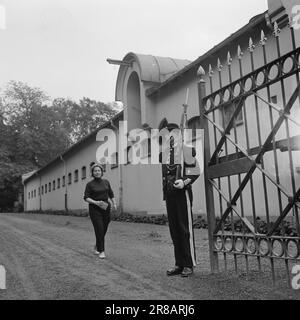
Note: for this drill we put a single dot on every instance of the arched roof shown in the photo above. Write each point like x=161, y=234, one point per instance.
x=151, y=68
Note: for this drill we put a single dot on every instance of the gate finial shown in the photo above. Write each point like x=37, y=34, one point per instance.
x=200, y=72
x=240, y=53
x=251, y=45
x=276, y=30
x=229, y=59
x=210, y=71
x=219, y=65
x=263, y=38
x=291, y=22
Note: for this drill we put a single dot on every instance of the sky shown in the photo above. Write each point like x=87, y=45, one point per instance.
x=61, y=46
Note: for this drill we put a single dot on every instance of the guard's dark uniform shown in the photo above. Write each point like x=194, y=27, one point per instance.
x=179, y=207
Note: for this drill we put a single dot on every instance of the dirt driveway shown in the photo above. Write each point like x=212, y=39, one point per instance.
x=50, y=257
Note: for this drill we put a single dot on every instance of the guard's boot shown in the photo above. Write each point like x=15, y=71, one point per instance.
x=186, y=272
x=175, y=271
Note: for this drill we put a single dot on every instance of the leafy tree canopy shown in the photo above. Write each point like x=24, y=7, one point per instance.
x=35, y=130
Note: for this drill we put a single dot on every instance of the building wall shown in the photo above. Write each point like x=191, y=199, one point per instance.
x=32, y=202
x=142, y=185
x=55, y=199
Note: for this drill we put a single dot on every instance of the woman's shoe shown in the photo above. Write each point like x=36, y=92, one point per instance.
x=96, y=252
x=102, y=255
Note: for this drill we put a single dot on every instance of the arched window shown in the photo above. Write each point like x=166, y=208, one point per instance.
x=91, y=164
x=70, y=178
x=194, y=124
x=46, y=190
x=63, y=181
x=76, y=176
x=42, y=189
x=53, y=185
x=146, y=148
x=28, y=195
x=103, y=164
x=129, y=155
x=58, y=183
x=114, y=160
x=49, y=188
x=83, y=173
x=134, y=101
x=34, y=193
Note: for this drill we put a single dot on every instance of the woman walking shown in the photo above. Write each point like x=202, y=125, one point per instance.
x=99, y=195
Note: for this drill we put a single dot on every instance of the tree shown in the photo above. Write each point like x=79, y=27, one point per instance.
x=22, y=135
x=81, y=119
x=19, y=98
x=32, y=132
x=37, y=135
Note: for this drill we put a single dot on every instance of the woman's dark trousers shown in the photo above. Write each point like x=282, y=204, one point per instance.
x=100, y=222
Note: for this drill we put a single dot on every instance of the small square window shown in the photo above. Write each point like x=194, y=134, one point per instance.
x=274, y=99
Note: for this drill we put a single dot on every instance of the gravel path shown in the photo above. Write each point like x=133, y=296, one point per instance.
x=50, y=257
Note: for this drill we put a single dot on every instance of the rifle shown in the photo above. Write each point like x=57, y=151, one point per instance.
x=183, y=126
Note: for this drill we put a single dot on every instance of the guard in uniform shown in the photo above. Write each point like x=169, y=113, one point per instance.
x=177, y=191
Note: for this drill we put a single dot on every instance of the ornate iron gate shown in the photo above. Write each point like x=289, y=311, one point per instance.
x=240, y=176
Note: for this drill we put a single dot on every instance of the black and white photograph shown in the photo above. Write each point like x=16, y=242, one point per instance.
x=149, y=153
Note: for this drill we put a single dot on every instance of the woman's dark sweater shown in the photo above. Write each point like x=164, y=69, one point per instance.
x=98, y=189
